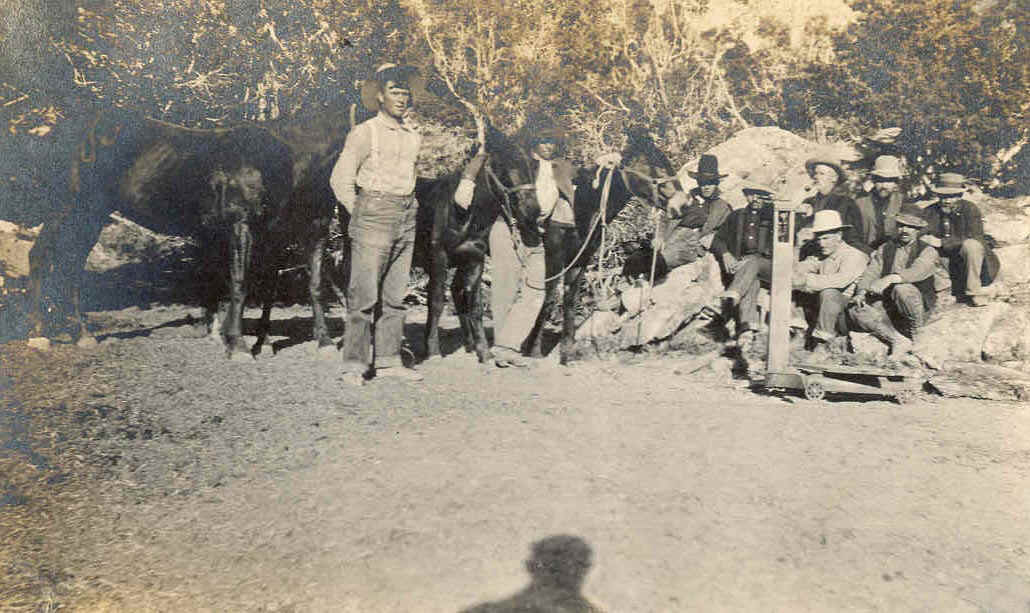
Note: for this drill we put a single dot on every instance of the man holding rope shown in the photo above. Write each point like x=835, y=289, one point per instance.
x=516, y=305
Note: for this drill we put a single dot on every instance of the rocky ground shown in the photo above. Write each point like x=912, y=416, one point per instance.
x=151, y=474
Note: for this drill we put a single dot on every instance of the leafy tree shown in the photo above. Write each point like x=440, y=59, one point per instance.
x=956, y=80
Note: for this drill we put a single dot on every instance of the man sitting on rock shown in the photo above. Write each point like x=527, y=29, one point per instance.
x=880, y=206
x=743, y=246
x=897, y=285
x=824, y=282
x=957, y=225
x=687, y=235
x=831, y=195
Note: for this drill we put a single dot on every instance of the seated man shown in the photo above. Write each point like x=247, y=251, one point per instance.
x=824, y=282
x=685, y=235
x=881, y=205
x=831, y=195
x=958, y=227
x=897, y=284
x=743, y=246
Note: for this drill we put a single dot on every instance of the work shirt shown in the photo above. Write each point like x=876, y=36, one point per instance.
x=922, y=268
x=379, y=155
x=749, y=241
x=839, y=270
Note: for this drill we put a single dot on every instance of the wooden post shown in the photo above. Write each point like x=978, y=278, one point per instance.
x=777, y=371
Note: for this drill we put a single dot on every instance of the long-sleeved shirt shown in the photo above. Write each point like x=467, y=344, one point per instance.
x=378, y=155
x=839, y=270
x=922, y=268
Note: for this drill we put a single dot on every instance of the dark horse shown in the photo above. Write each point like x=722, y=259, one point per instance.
x=248, y=193
x=645, y=173
x=228, y=187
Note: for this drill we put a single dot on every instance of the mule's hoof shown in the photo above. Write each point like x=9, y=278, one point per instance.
x=41, y=343
x=240, y=356
x=87, y=342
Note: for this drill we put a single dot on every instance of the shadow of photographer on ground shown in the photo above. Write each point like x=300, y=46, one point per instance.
x=557, y=566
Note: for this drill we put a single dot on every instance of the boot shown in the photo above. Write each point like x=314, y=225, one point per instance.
x=887, y=333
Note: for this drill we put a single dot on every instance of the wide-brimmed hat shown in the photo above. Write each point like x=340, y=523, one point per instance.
x=707, y=169
x=886, y=167
x=391, y=72
x=949, y=183
x=754, y=187
x=827, y=221
x=811, y=163
x=910, y=215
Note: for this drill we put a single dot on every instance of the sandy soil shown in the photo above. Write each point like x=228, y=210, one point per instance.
x=151, y=474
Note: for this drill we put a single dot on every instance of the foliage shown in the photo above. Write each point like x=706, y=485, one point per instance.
x=956, y=80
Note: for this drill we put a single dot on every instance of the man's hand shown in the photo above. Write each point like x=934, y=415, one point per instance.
x=931, y=240
x=609, y=160
x=880, y=285
x=706, y=241
x=800, y=280
x=859, y=299
x=730, y=263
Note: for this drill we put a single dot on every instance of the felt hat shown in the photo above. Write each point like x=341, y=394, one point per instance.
x=886, y=167
x=754, y=187
x=911, y=216
x=949, y=183
x=811, y=163
x=827, y=221
x=404, y=74
x=707, y=169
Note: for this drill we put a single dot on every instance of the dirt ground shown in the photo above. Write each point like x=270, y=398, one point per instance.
x=152, y=474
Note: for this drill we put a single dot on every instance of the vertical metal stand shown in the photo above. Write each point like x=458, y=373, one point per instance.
x=777, y=371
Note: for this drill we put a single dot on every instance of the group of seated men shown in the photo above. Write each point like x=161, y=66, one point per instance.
x=873, y=265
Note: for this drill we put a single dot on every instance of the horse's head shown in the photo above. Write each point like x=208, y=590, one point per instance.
x=650, y=175
x=509, y=175
x=238, y=191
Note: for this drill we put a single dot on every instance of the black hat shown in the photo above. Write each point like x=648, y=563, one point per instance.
x=707, y=169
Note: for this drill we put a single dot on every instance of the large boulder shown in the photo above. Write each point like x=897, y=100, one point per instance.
x=1009, y=338
x=768, y=155
x=1007, y=220
x=674, y=301
x=958, y=333
x=1015, y=264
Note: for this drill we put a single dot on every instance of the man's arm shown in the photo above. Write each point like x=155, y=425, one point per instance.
x=922, y=268
x=852, y=265
x=872, y=271
x=355, y=150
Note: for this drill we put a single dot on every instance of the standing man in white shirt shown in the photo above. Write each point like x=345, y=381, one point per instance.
x=374, y=179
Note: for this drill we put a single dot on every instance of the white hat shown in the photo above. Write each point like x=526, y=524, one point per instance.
x=887, y=166
x=827, y=221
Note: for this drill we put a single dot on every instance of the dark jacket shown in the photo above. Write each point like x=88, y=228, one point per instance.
x=925, y=286
x=963, y=222
x=732, y=234
x=837, y=200
x=878, y=223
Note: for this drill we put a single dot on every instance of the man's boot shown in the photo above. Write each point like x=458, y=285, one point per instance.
x=886, y=332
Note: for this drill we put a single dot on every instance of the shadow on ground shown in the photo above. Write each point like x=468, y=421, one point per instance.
x=557, y=566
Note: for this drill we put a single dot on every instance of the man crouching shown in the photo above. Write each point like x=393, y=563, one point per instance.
x=825, y=281
x=897, y=285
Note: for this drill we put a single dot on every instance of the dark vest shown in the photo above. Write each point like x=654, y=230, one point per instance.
x=926, y=288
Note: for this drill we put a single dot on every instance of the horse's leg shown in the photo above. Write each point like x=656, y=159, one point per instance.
x=267, y=289
x=42, y=256
x=460, y=296
x=320, y=331
x=473, y=281
x=568, y=333
x=437, y=278
x=554, y=258
x=242, y=243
